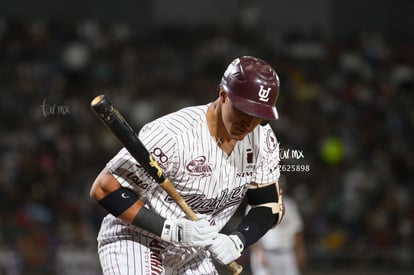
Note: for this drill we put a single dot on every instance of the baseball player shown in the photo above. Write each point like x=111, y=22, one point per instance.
x=215, y=155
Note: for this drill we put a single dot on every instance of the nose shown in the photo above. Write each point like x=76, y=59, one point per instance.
x=250, y=121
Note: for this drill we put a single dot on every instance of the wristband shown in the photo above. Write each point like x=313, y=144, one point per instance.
x=238, y=241
x=148, y=220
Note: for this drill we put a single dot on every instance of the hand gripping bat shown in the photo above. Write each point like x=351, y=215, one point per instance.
x=115, y=122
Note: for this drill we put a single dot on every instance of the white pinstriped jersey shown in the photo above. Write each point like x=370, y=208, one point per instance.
x=212, y=182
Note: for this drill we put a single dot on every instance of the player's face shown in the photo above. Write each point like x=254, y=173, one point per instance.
x=237, y=123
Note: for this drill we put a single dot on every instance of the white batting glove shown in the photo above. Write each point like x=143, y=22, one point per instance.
x=226, y=248
x=185, y=232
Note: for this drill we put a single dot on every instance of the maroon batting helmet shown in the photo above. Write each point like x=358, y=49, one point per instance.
x=252, y=86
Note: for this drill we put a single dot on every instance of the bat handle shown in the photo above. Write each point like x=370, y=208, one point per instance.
x=233, y=267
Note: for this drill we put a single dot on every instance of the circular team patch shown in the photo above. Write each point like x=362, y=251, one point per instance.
x=271, y=141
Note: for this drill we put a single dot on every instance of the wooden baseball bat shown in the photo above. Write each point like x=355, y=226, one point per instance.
x=116, y=123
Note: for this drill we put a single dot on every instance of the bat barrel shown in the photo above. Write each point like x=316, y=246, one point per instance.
x=115, y=122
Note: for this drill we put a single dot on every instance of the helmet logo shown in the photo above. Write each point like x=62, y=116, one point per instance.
x=264, y=93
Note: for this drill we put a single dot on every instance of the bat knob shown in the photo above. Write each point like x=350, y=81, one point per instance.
x=98, y=101
x=103, y=107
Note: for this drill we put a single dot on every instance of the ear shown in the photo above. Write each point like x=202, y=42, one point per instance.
x=222, y=94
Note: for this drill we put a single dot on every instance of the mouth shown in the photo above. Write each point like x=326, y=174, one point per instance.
x=240, y=132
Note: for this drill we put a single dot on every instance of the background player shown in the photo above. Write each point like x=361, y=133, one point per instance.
x=215, y=155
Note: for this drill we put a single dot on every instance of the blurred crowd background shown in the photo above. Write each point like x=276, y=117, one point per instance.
x=346, y=104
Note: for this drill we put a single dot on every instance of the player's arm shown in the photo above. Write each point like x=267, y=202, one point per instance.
x=125, y=204
x=266, y=212
x=121, y=202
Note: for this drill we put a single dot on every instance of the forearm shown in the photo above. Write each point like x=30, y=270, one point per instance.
x=124, y=204
x=266, y=211
x=255, y=224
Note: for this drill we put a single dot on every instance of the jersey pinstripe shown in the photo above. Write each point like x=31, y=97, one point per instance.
x=212, y=182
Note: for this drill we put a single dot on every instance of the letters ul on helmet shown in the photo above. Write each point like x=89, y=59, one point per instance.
x=253, y=87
